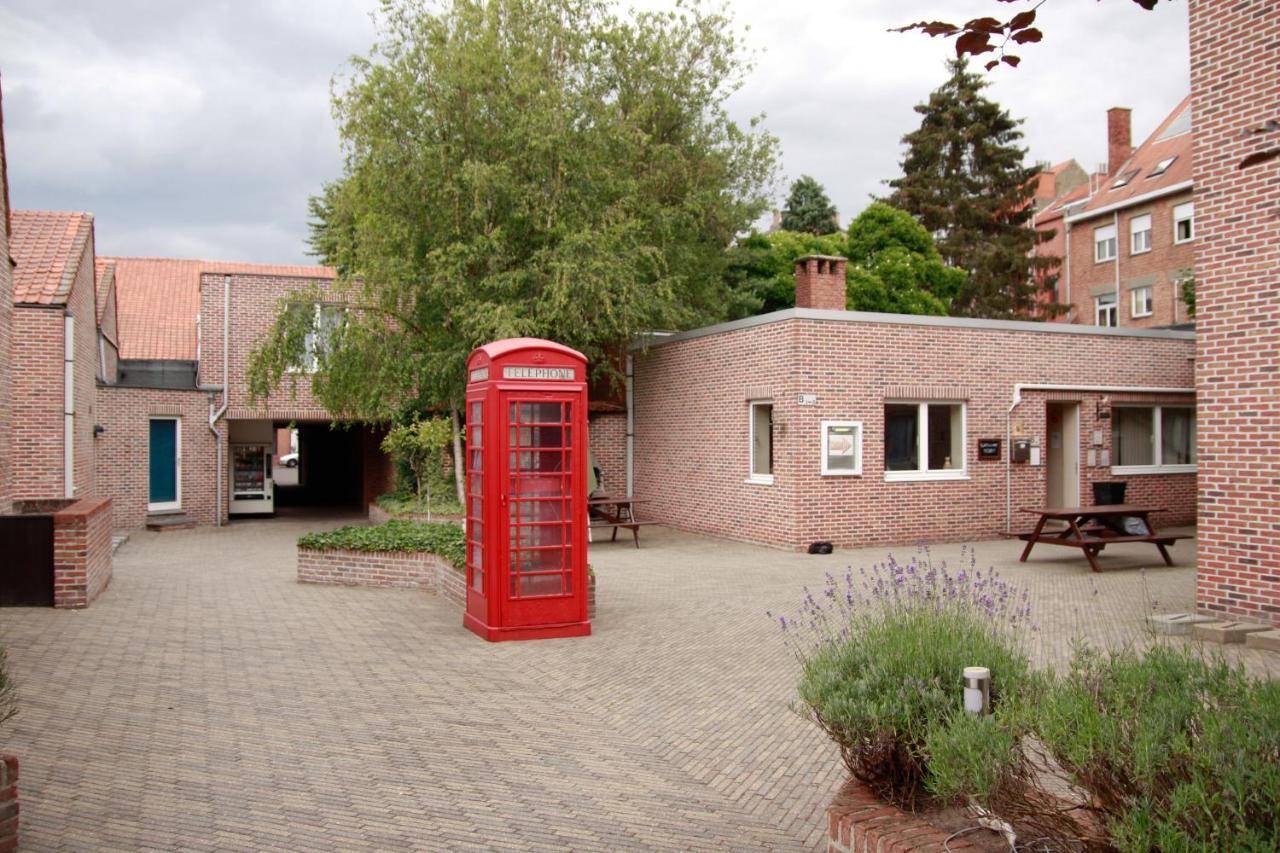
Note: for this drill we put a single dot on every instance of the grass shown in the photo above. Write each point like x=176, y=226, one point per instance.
x=443, y=538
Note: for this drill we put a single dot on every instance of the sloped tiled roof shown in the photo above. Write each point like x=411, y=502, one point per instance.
x=158, y=300
x=1172, y=139
x=1055, y=210
x=47, y=247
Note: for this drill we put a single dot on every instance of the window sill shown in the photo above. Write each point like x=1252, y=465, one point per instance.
x=1139, y=252
x=1134, y=470
x=1104, y=260
x=760, y=480
x=857, y=473
x=1140, y=316
x=924, y=476
x=1177, y=242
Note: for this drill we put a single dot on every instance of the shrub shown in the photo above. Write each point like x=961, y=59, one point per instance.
x=883, y=654
x=440, y=502
x=447, y=540
x=1177, y=752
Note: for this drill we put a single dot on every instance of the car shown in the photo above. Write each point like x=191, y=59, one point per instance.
x=289, y=460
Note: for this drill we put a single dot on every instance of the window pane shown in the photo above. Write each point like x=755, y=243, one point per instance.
x=901, y=437
x=533, y=413
x=761, y=438
x=945, y=439
x=541, y=585
x=1177, y=436
x=842, y=448
x=475, y=413
x=1132, y=436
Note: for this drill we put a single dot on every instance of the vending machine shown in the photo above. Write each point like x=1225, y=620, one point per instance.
x=252, y=490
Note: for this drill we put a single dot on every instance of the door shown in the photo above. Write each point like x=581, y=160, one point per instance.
x=26, y=572
x=539, y=472
x=1063, y=457
x=164, y=482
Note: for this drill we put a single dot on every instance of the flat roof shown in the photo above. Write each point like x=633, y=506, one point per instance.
x=658, y=339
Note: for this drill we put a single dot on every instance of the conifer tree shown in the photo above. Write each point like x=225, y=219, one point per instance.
x=808, y=209
x=965, y=181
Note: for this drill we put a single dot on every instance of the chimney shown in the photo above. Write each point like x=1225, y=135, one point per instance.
x=820, y=282
x=1119, y=139
x=776, y=224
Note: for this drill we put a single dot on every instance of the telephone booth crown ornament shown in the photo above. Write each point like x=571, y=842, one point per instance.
x=526, y=478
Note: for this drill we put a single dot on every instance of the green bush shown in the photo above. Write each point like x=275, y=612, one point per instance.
x=441, y=503
x=883, y=658
x=1177, y=752
x=447, y=540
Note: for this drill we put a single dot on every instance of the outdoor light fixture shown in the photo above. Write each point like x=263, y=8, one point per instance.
x=977, y=690
x=98, y=429
x=1104, y=408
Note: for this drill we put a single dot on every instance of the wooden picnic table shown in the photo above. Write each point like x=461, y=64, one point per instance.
x=1093, y=528
x=605, y=511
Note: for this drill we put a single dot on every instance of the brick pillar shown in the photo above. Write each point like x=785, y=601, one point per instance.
x=1235, y=74
x=820, y=282
x=1119, y=138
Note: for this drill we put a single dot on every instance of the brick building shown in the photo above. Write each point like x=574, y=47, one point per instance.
x=1126, y=237
x=816, y=424
x=55, y=355
x=1235, y=78
x=6, y=334
x=177, y=418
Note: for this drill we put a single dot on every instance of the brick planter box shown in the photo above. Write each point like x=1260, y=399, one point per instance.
x=857, y=821
x=403, y=569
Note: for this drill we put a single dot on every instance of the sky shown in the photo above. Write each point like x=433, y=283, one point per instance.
x=199, y=130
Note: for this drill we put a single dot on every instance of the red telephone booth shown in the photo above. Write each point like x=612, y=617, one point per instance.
x=526, y=491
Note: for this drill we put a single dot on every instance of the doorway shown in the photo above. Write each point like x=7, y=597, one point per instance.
x=164, y=485
x=1063, y=457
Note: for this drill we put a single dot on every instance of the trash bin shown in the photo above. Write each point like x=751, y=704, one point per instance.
x=1108, y=493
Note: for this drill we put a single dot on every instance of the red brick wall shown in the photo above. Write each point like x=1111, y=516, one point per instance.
x=123, y=450
x=81, y=552
x=37, y=404
x=83, y=306
x=608, y=442
x=378, y=471
x=1235, y=75
x=692, y=439
x=1166, y=261
x=858, y=821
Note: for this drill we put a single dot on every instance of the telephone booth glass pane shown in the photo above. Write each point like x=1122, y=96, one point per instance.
x=539, y=463
x=475, y=501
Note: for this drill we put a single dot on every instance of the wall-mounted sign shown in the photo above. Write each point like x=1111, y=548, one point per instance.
x=480, y=374
x=808, y=399
x=562, y=373
x=988, y=448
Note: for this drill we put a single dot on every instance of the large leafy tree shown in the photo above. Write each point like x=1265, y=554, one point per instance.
x=523, y=167
x=965, y=180
x=808, y=209
x=760, y=269
x=894, y=266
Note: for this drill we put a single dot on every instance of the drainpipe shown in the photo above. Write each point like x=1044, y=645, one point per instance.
x=68, y=405
x=1116, y=224
x=1031, y=386
x=631, y=424
x=214, y=416
x=1071, y=308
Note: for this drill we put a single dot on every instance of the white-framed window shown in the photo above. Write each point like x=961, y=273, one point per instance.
x=924, y=441
x=1184, y=225
x=1140, y=297
x=1140, y=234
x=841, y=448
x=327, y=319
x=761, y=440
x=1162, y=167
x=1105, y=310
x=1104, y=243
x=1153, y=439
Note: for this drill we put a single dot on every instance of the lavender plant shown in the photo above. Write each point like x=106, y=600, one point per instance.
x=882, y=650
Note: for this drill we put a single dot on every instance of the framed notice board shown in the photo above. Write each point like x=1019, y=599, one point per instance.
x=988, y=448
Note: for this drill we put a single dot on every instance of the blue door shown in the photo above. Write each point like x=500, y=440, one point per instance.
x=163, y=477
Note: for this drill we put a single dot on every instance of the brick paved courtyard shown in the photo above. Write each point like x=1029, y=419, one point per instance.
x=207, y=701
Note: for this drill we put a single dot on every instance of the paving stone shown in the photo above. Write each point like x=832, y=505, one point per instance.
x=1225, y=632
x=1176, y=624
x=208, y=698
x=1266, y=640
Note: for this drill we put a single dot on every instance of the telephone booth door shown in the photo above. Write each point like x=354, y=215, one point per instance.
x=526, y=491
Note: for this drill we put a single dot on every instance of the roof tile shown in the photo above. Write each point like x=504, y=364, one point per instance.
x=46, y=247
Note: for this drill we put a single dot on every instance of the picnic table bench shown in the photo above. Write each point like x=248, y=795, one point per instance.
x=609, y=512
x=1093, y=528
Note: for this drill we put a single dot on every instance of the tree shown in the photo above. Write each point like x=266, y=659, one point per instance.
x=964, y=180
x=991, y=35
x=760, y=269
x=419, y=445
x=523, y=167
x=894, y=266
x=808, y=209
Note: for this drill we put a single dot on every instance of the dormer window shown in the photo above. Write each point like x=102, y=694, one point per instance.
x=1162, y=167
